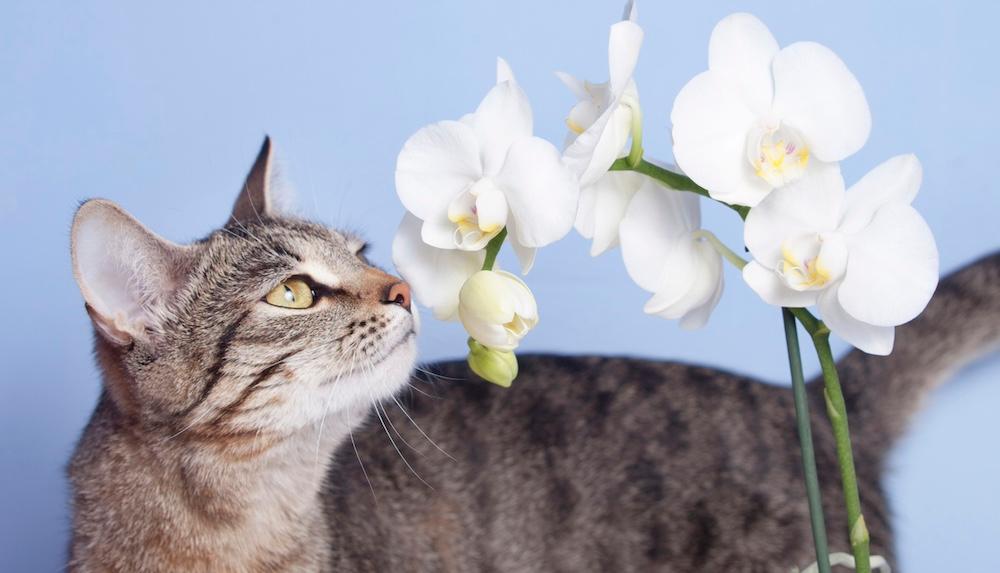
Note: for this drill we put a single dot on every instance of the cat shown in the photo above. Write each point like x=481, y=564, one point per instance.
x=258, y=413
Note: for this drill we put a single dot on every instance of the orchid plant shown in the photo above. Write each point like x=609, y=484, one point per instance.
x=762, y=131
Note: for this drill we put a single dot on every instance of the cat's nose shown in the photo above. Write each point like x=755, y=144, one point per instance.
x=398, y=293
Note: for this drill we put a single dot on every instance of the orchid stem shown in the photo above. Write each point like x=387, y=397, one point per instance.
x=720, y=247
x=806, y=442
x=635, y=153
x=493, y=249
x=836, y=410
x=670, y=179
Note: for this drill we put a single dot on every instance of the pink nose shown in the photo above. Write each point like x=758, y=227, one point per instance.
x=399, y=293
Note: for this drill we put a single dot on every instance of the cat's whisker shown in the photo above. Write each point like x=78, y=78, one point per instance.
x=326, y=410
x=438, y=376
x=393, y=442
x=391, y=425
x=412, y=387
x=350, y=432
x=193, y=423
x=419, y=429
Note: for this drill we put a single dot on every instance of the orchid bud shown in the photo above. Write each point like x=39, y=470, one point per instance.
x=496, y=366
x=497, y=309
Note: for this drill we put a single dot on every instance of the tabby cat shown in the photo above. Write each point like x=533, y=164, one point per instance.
x=256, y=416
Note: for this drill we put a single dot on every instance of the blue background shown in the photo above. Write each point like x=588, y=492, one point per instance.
x=162, y=109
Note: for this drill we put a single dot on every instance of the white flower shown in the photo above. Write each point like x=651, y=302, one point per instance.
x=865, y=256
x=607, y=113
x=497, y=309
x=468, y=179
x=602, y=207
x=761, y=117
x=436, y=275
x=665, y=254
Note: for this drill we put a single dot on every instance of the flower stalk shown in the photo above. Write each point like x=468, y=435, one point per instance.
x=806, y=442
x=493, y=249
x=837, y=413
x=635, y=152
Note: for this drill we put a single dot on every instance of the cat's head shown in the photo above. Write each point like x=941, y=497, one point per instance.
x=266, y=324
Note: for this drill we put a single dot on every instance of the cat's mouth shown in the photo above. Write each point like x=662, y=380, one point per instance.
x=405, y=338
x=377, y=361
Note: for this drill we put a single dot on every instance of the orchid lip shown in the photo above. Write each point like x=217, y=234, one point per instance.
x=777, y=153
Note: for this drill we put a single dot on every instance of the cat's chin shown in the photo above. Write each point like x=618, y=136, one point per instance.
x=362, y=387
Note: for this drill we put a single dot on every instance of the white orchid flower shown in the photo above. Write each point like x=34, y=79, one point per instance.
x=762, y=117
x=864, y=256
x=468, y=179
x=666, y=253
x=601, y=122
x=603, y=205
x=497, y=309
x=436, y=275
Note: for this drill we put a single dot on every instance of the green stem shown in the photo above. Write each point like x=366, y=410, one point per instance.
x=837, y=412
x=493, y=249
x=635, y=153
x=670, y=179
x=721, y=248
x=806, y=442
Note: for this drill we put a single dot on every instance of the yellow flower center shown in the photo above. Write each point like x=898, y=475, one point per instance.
x=812, y=261
x=479, y=214
x=777, y=153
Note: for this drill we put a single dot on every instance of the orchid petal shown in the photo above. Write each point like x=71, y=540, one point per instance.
x=623, y=54
x=593, y=151
x=866, y=337
x=541, y=191
x=770, y=287
x=740, y=53
x=504, y=73
x=491, y=210
x=586, y=211
x=691, y=282
x=896, y=180
x=605, y=206
x=503, y=117
x=436, y=164
x=576, y=87
x=815, y=93
x=893, y=268
x=710, y=126
x=525, y=255
x=439, y=233
x=436, y=275
x=809, y=205
x=698, y=316
x=656, y=221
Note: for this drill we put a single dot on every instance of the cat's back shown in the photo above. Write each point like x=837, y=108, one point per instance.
x=586, y=464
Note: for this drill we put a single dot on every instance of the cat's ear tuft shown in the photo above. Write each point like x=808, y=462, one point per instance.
x=125, y=272
x=254, y=201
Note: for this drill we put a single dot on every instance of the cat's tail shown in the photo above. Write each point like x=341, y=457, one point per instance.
x=961, y=323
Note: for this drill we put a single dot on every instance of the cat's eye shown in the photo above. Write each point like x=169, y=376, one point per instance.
x=291, y=293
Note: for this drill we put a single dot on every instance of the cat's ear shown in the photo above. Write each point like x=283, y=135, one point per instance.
x=255, y=200
x=125, y=272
